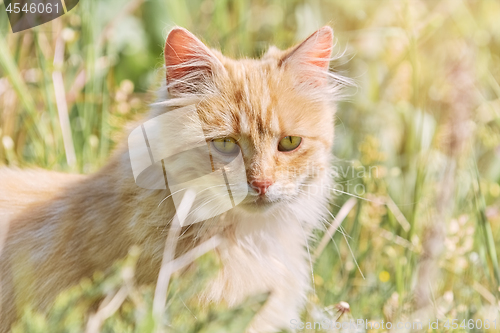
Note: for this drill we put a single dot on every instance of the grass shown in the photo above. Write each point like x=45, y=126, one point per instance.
x=417, y=140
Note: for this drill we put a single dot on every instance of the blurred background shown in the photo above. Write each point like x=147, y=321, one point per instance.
x=417, y=140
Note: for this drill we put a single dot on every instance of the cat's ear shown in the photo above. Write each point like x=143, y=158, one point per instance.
x=313, y=53
x=190, y=64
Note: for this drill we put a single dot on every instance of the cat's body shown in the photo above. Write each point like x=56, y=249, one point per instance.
x=61, y=228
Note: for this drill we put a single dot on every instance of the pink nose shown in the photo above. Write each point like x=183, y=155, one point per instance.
x=261, y=185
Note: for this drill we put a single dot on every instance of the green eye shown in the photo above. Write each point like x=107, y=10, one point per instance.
x=226, y=145
x=289, y=143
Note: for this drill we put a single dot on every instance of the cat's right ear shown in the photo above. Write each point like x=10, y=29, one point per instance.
x=190, y=64
x=311, y=57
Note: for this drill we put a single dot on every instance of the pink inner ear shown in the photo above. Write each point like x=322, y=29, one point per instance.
x=315, y=50
x=320, y=47
x=320, y=56
x=182, y=49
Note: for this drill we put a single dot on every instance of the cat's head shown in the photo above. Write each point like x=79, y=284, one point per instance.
x=276, y=110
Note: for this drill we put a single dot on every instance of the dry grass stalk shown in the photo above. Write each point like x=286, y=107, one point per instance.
x=160, y=296
x=342, y=214
x=62, y=105
x=106, y=310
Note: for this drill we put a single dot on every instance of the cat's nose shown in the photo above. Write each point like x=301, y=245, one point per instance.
x=261, y=185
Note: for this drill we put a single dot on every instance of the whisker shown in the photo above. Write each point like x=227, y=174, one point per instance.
x=204, y=224
x=309, y=256
x=203, y=205
x=305, y=192
x=197, y=193
x=342, y=214
x=334, y=242
x=182, y=234
x=350, y=250
x=168, y=196
x=344, y=232
x=353, y=257
x=353, y=195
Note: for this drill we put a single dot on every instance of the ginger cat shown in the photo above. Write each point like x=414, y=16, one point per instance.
x=278, y=111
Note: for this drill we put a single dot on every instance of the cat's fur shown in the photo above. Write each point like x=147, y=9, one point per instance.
x=61, y=228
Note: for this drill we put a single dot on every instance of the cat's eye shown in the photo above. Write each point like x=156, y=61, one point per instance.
x=289, y=143
x=225, y=145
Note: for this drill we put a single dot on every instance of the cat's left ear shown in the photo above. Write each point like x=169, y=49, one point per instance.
x=190, y=64
x=313, y=53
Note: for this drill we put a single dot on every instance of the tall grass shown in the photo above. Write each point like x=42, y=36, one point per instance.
x=419, y=138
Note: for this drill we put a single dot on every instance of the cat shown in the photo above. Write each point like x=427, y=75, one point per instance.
x=278, y=111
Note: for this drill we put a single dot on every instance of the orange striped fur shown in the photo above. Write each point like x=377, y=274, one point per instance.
x=61, y=228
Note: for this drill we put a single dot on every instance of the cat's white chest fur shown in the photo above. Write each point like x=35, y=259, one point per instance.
x=269, y=253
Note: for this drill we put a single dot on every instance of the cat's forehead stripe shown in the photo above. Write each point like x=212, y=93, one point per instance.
x=252, y=96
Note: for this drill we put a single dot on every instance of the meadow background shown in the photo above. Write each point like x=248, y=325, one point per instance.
x=418, y=140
